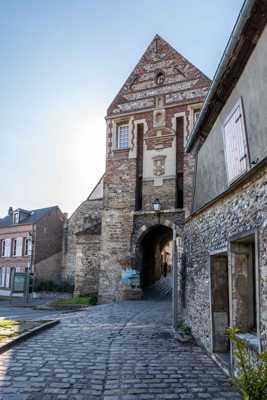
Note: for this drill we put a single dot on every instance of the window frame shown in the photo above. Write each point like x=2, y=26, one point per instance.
x=246, y=238
x=14, y=246
x=119, y=126
x=239, y=104
x=27, y=246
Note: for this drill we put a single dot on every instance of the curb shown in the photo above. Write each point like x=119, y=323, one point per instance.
x=62, y=308
x=26, y=335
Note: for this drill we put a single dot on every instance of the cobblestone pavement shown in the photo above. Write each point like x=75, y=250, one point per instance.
x=122, y=351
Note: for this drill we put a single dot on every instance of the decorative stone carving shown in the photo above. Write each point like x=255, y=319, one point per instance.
x=159, y=77
x=159, y=101
x=159, y=165
x=159, y=138
x=159, y=118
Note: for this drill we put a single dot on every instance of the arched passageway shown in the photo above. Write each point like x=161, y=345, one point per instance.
x=155, y=256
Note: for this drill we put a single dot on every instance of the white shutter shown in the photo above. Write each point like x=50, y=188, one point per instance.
x=235, y=144
x=8, y=277
x=29, y=247
x=19, y=246
x=2, y=277
x=7, y=247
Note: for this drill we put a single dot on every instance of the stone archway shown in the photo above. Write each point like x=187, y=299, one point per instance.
x=154, y=256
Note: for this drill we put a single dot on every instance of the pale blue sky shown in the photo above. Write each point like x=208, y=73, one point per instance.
x=62, y=63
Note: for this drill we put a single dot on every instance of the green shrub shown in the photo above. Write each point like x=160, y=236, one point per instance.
x=76, y=300
x=252, y=379
x=51, y=286
x=184, y=329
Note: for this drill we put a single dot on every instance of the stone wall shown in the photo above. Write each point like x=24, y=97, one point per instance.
x=240, y=212
x=88, y=213
x=166, y=193
x=87, y=263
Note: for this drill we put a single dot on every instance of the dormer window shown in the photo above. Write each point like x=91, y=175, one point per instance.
x=16, y=218
x=123, y=136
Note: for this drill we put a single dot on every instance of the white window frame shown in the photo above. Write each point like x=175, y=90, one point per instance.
x=244, y=139
x=27, y=251
x=120, y=126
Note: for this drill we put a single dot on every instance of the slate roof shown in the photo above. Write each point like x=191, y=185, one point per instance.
x=34, y=216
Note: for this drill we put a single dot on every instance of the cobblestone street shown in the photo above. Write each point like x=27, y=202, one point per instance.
x=119, y=351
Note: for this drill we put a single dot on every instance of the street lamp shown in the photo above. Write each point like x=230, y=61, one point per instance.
x=156, y=205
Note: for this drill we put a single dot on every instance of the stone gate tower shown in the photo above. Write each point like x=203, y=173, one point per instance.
x=147, y=125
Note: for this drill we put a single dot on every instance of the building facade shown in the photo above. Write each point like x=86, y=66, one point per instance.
x=146, y=166
x=226, y=233
x=31, y=239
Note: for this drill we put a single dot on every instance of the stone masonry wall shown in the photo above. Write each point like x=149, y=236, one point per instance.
x=88, y=212
x=166, y=193
x=87, y=264
x=117, y=225
x=244, y=210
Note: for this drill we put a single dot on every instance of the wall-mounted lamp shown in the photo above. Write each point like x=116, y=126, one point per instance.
x=156, y=205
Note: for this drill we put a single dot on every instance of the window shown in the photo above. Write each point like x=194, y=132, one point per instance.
x=123, y=132
x=14, y=247
x=236, y=153
x=3, y=248
x=16, y=218
x=244, y=283
x=6, y=248
x=27, y=247
x=5, y=277
x=17, y=247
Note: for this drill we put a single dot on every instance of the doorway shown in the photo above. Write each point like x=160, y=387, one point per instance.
x=220, y=305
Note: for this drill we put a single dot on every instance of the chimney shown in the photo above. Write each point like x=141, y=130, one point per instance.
x=10, y=211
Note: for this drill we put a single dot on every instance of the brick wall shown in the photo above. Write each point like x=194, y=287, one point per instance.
x=47, y=246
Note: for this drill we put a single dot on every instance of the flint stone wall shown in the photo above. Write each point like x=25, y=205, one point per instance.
x=244, y=210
